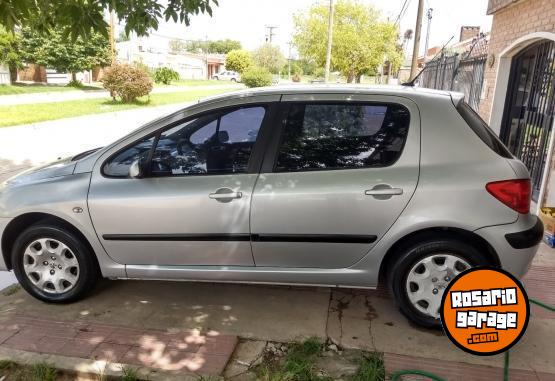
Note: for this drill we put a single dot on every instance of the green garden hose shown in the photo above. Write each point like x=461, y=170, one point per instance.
x=415, y=372
x=546, y=306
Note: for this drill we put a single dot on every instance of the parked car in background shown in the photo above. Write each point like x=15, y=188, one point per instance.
x=227, y=76
x=314, y=185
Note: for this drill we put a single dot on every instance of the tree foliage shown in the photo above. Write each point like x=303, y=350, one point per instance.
x=269, y=57
x=55, y=52
x=10, y=52
x=361, y=40
x=256, y=76
x=165, y=75
x=79, y=18
x=238, y=60
x=201, y=46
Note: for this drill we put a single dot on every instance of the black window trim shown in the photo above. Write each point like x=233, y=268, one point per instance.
x=257, y=153
x=272, y=152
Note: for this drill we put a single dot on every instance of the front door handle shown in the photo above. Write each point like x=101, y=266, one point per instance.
x=225, y=194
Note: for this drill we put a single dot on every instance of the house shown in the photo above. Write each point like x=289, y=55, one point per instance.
x=4, y=75
x=154, y=52
x=518, y=96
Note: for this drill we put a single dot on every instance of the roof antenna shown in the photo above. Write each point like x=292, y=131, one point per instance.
x=413, y=81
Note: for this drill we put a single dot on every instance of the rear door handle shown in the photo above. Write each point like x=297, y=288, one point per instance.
x=384, y=192
x=221, y=194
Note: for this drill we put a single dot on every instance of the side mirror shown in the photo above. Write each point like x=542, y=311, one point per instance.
x=135, y=170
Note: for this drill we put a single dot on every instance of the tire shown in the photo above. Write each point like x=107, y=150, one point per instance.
x=233, y=80
x=422, y=262
x=216, y=78
x=52, y=264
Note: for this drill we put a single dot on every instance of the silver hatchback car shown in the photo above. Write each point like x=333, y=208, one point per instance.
x=334, y=186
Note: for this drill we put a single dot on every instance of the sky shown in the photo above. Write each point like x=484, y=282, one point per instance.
x=245, y=20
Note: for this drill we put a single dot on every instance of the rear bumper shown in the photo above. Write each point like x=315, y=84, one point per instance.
x=3, y=223
x=527, y=238
x=515, y=244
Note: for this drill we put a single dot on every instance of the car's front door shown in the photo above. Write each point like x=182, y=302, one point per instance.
x=337, y=178
x=192, y=205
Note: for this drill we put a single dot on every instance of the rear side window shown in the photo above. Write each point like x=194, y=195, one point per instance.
x=342, y=136
x=480, y=128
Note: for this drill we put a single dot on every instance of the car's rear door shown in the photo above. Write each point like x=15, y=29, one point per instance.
x=341, y=170
x=193, y=206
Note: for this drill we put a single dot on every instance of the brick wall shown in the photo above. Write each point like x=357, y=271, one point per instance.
x=510, y=23
x=33, y=73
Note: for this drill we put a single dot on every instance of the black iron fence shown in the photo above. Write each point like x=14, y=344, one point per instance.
x=462, y=72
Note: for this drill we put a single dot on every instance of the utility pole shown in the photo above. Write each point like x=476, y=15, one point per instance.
x=271, y=33
x=289, y=73
x=416, y=47
x=429, y=16
x=328, y=51
x=206, y=55
x=112, y=42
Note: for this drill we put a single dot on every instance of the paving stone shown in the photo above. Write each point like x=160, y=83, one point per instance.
x=78, y=348
x=110, y=352
x=125, y=336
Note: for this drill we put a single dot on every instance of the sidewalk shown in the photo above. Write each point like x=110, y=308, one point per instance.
x=366, y=320
x=49, y=97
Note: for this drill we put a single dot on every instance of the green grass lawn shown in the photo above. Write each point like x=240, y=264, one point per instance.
x=194, y=82
x=26, y=113
x=36, y=88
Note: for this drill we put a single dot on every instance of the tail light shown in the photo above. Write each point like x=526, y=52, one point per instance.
x=513, y=193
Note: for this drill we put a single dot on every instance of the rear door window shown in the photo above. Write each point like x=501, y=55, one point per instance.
x=342, y=136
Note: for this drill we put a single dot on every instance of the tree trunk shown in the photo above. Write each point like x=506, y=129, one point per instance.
x=350, y=77
x=74, y=77
x=13, y=74
x=358, y=78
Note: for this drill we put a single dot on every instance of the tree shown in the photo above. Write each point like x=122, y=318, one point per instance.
x=65, y=56
x=238, y=60
x=201, y=46
x=360, y=43
x=223, y=46
x=269, y=57
x=10, y=52
x=80, y=18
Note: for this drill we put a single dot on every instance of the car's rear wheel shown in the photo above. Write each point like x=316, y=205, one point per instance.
x=422, y=272
x=52, y=264
x=233, y=80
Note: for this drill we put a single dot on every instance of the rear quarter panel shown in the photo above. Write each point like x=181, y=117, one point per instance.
x=455, y=166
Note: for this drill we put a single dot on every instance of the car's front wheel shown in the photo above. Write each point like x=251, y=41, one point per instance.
x=52, y=264
x=422, y=272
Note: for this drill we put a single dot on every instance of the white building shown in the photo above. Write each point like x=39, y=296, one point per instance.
x=154, y=52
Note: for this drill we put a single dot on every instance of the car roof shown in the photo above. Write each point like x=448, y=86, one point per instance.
x=396, y=90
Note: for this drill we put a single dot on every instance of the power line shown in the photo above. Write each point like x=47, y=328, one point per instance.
x=402, y=12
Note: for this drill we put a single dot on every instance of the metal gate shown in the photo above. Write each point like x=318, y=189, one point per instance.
x=462, y=72
x=528, y=116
